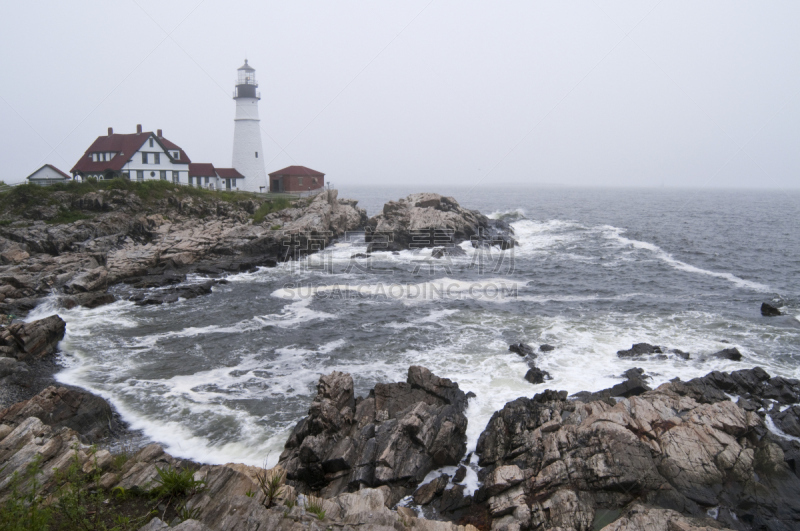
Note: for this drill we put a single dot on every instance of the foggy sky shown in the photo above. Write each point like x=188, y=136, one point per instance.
x=610, y=93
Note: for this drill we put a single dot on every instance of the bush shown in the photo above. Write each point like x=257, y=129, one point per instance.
x=175, y=483
x=23, y=510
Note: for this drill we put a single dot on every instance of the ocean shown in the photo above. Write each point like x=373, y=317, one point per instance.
x=225, y=377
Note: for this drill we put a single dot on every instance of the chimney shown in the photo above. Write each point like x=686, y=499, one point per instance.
x=159, y=133
x=138, y=128
x=110, y=131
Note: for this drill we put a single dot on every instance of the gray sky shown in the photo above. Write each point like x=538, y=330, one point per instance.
x=598, y=92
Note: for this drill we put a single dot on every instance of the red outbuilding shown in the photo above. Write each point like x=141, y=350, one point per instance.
x=296, y=179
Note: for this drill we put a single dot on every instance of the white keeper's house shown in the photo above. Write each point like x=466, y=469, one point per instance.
x=145, y=156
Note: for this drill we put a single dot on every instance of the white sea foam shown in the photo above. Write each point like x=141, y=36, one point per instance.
x=615, y=233
x=508, y=215
x=777, y=431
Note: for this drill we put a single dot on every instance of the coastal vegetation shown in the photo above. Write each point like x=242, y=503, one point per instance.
x=74, y=500
x=268, y=207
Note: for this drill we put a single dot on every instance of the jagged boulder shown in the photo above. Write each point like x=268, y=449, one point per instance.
x=393, y=437
x=35, y=340
x=768, y=310
x=431, y=220
x=639, y=349
x=583, y=461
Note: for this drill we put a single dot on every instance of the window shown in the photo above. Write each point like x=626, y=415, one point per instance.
x=151, y=142
x=163, y=175
x=176, y=155
x=140, y=176
x=234, y=183
x=144, y=158
x=314, y=180
x=300, y=181
x=206, y=181
x=126, y=175
x=176, y=177
x=152, y=174
x=256, y=154
x=156, y=158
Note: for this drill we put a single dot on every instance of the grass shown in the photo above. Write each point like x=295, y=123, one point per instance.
x=69, y=216
x=269, y=207
x=77, y=502
x=271, y=483
x=17, y=199
x=173, y=483
x=314, y=506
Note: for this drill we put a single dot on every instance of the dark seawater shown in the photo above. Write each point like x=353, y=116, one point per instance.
x=225, y=377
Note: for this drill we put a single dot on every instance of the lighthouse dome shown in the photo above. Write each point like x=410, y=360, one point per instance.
x=247, y=67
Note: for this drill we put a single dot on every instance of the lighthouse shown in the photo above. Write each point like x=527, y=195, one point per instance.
x=248, y=156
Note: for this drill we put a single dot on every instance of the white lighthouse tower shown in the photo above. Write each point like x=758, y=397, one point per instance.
x=248, y=156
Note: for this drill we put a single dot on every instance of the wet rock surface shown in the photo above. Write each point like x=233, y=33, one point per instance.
x=393, y=437
x=677, y=451
x=432, y=220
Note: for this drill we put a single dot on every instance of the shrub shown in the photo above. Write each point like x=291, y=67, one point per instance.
x=173, y=482
x=23, y=510
x=271, y=483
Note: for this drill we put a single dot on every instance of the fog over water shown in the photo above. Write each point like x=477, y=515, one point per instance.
x=592, y=93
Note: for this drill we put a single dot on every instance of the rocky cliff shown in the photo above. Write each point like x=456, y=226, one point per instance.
x=120, y=236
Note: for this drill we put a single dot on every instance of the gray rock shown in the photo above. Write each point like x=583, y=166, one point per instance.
x=393, y=437
x=431, y=220
x=426, y=493
x=523, y=349
x=732, y=354
x=768, y=310
x=58, y=407
x=639, y=349
x=33, y=340
x=580, y=460
x=536, y=375
x=788, y=420
x=154, y=525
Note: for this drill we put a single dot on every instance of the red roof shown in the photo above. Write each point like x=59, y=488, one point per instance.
x=201, y=169
x=301, y=171
x=52, y=168
x=183, y=158
x=125, y=146
x=229, y=173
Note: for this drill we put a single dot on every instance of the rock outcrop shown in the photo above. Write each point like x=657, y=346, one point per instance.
x=393, y=437
x=768, y=310
x=229, y=497
x=553, y=463
x=126, y=237
x=432, y=220
x=33, y=340
x=87, y=414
